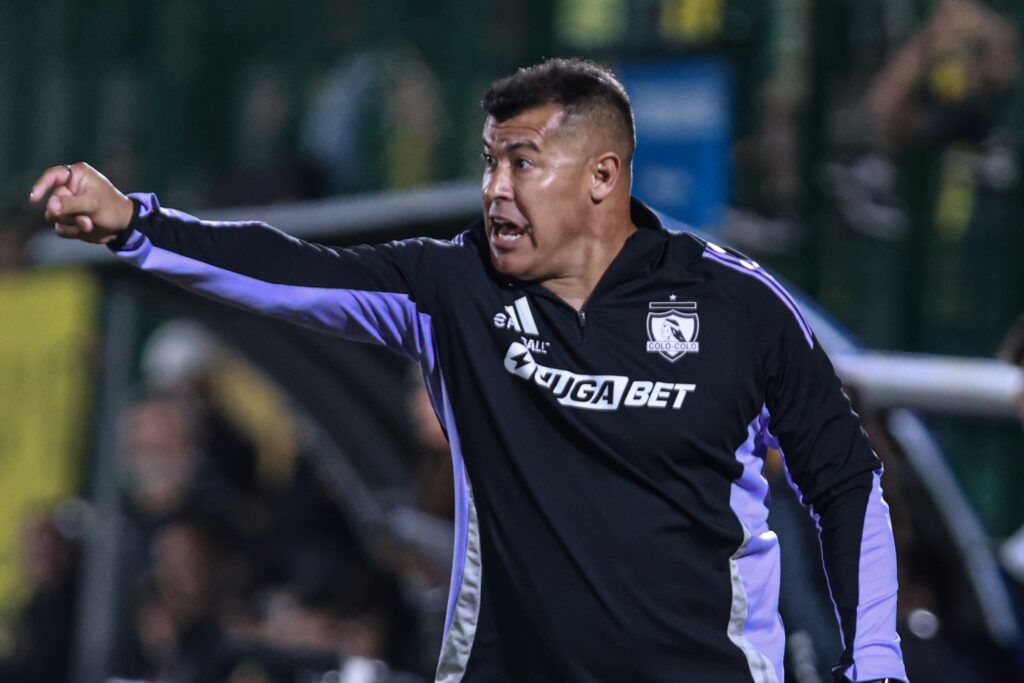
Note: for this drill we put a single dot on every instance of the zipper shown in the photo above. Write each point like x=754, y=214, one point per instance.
x=581, y=318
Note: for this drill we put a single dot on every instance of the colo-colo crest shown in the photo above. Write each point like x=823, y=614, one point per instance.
x=672, y=328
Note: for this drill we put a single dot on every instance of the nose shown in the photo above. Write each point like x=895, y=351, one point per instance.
x=497, y=184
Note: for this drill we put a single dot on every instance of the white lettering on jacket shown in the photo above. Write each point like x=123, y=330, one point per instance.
x=595, y=392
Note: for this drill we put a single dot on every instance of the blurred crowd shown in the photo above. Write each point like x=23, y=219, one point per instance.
x=39, y=641
x=228, y=568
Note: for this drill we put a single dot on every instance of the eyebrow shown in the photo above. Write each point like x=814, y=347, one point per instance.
x=513, y=146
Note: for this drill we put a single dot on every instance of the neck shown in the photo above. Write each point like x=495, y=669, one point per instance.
x=593, y=260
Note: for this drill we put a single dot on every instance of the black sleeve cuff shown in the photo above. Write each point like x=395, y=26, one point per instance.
x=123, y=237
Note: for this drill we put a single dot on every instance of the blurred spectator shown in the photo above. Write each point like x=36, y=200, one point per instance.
x=43, y=628
x=918, y=197
x=205, y=591
x=161, y=458
x=177, y=635
x=297, y=626
x=950, y=83
x=356, y=619
x=266, y=167
x=953, y=80
x=373, y=123
x=308, y=538
x=179, y=360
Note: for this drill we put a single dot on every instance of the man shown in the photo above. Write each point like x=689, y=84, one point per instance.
x=608, y=388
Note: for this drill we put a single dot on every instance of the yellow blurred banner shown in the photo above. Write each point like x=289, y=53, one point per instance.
x=47, y=338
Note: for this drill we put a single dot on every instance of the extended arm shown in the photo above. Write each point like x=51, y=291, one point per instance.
x=363, y=293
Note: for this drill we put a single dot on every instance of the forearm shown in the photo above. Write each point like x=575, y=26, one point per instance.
x=890, y=93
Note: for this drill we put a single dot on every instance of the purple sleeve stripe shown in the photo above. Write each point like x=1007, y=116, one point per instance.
x=876, y=646
x=772, y=439
x=438, y=394
x=463, y=610
x=768, y=279
x=439, y=397
x=740, y=265
x=439, y=400
x=386, y=318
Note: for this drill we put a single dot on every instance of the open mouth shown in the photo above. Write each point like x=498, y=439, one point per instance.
x=504, y=231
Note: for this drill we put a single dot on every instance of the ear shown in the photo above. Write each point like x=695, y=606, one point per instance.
x=605, y=176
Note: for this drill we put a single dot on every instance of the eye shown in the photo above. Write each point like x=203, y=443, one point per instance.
x=523, y=164
x=489, y=160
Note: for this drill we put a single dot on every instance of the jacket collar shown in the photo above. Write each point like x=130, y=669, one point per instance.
x=638, y=257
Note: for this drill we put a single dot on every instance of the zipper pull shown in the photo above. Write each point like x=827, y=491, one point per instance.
x=582, y=316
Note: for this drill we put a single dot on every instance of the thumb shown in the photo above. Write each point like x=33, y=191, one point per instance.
x=68, y=205
x=84, y=222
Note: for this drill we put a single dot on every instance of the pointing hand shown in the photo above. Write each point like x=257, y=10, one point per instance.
x=82, y=203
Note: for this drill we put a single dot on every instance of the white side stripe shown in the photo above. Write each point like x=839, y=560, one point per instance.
x=458, y=643
x=761, y=668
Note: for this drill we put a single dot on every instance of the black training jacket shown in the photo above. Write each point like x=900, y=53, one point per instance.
x=611, y=507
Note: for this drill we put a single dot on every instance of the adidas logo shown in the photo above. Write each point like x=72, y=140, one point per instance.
x=517, y=317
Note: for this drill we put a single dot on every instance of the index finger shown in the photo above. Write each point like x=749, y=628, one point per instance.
x=52, y=177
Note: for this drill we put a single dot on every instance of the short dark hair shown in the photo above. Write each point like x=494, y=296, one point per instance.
x=583, y=88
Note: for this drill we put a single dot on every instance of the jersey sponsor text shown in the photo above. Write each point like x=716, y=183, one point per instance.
x=595, y=392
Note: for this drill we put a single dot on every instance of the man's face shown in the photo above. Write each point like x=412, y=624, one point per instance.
x=535, y=192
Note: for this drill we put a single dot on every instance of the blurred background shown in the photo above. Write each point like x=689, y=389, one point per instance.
x=192, y=493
